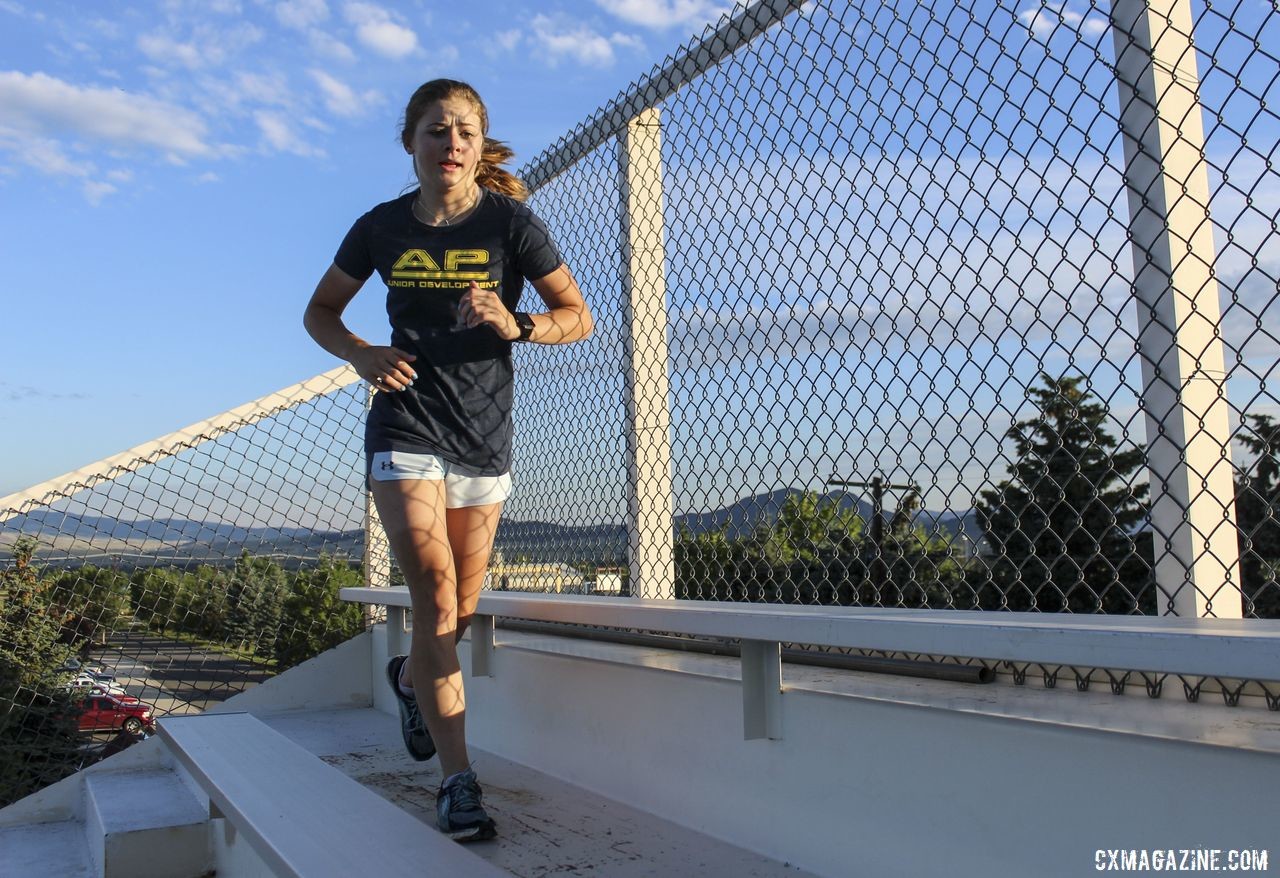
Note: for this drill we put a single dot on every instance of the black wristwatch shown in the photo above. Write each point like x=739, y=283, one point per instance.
x=525, y=322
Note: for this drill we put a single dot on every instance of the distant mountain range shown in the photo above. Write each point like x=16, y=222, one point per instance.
x=540, y=539
x=97, y=527
x=102, y=540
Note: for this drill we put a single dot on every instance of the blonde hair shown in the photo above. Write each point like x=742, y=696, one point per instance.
x=493, y=154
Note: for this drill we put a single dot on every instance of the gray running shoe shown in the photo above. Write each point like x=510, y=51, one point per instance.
x=459, y=813
x=417, y=740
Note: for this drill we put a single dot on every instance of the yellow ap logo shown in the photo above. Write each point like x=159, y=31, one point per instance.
x=419, y=264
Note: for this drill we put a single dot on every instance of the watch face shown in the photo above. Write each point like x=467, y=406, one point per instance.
x=525, y=322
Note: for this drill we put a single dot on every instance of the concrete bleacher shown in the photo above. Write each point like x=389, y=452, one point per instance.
x=302, y=776
x=624, y=760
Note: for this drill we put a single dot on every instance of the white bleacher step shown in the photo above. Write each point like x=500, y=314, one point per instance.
x=45, y=850
x=545, y=825
x=302, y=817
x=146, y=824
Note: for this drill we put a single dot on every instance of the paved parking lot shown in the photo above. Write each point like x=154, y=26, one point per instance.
x=175, y=676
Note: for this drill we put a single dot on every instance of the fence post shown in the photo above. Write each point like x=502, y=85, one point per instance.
x=1179, y=343
x=649, y=501
x=377, y=551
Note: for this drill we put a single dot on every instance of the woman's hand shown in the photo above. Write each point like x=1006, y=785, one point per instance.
x=483, y=308
x=386, y=368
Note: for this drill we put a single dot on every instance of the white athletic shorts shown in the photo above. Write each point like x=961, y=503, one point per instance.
x=460, y=489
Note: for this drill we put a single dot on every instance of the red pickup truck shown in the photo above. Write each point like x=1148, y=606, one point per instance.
x=106, y=713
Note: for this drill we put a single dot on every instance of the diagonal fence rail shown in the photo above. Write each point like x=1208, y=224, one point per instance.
x=898, y=305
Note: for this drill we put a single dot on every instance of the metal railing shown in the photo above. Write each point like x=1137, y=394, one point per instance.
x=912, y=306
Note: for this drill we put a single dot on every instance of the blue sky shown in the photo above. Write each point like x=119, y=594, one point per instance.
x=175, y=176
x=872, y=251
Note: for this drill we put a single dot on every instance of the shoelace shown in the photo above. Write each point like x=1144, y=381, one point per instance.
x=464, y=795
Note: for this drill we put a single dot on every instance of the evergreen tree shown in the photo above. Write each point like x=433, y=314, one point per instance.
x=152, y=593
x=255, y=599
x=90, y=601
x=708, y=566
x=1258, y=517
x=794, y=558
x=809, y=527
x=798, y=557
x=1062, y=526
x=921, y=569
x=38, y=731
x=314, y=617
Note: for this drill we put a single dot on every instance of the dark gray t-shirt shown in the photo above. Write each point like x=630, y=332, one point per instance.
x=460, y=406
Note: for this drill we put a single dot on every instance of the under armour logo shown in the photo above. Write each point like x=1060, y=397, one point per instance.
x=386, y=464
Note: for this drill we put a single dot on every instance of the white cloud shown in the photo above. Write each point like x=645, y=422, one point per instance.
x=330, y=47
x=340, y=98
x=95, y=191
x=208, y=177
x=301, y=14
x=278, y=134
x=167, y=50
x=207, y=45
x=104, y=27
x=443, y=56
x=263, y=88
x=1042, y=20
x=42, y=154
x=380, y=30
x=508, y=39
x=275, y=129
x=659, y=14
x=629, y=41
x=41, y=106
x=577, y=42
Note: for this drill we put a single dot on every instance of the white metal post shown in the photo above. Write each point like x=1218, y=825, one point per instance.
x=1183, y=371
x=481, y=645
x=649, y=502
x=377, y=551
x=397, y=635
x=761, y=690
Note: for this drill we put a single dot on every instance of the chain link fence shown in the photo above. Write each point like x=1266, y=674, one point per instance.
x=169, y=578
x=905, y=305
x=905, y=358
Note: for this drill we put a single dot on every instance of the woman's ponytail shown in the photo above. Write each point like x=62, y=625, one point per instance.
x=491, y=175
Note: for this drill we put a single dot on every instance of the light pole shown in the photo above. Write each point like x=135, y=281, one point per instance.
x=879, y=571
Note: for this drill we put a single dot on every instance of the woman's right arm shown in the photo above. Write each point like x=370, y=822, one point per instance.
x=384, y=367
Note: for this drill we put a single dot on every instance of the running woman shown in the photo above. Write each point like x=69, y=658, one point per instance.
x=454, y=254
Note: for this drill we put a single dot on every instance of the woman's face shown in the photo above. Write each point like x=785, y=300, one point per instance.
x=446, y=144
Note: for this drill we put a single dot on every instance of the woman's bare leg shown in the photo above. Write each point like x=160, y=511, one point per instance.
x=416, y=522
x=471, y=532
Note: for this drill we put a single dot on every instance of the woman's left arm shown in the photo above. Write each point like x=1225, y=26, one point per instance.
x=566, y=319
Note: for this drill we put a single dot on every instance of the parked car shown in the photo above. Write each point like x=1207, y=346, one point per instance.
x=106, y=713
x=93, y=669
x=88, y=681
x=114, y=691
